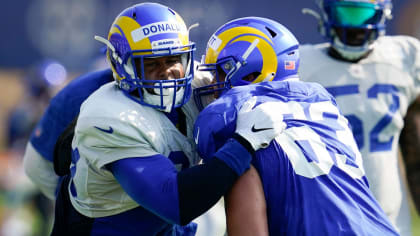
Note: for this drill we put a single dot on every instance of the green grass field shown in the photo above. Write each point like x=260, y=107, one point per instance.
x=415, y=222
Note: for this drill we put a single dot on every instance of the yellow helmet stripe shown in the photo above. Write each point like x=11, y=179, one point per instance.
x=182, y=36
x=227, y=36
x=127, y=24
x=269, y=57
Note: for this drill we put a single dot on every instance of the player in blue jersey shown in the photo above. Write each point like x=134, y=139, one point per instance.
x=310, y=180
x=381, y=74
x=63, y=108
x=133, y=164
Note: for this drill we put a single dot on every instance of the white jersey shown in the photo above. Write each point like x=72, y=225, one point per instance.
x=374, y=95
x=111, y=127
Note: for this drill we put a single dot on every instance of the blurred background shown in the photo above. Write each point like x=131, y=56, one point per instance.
x=46, y=43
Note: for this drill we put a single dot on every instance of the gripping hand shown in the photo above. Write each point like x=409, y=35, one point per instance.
x=201, y=78
x=259, y=125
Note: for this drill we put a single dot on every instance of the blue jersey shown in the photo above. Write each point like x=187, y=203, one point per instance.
x=312, y=174
x=63, y=108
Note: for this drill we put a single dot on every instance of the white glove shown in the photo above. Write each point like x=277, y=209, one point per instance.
x=201, y=78
x=259, y=125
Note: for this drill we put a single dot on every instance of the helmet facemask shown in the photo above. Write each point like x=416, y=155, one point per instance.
x=204, y=95
x=226, y=74
x=162, y=94
x=151, y=31
x=353, y=26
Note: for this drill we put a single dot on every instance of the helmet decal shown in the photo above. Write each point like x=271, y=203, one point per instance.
x=248, y=46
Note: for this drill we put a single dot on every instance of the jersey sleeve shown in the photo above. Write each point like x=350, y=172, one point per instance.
x=154, y=183
x=50, y=126
x=40, y=171
x=106, y=140
x=209, y=134
x=403, y=52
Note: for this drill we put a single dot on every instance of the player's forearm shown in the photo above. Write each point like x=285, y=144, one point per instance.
x=410, y=143
x=40, y=171
x=180, y=197
x=200, y=187
x=177, y=198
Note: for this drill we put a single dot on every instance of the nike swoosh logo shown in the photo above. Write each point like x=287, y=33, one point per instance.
x=253, y=129
x=109, y=131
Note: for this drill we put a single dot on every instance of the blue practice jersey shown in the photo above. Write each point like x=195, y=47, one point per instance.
x=63, y=108
x=312, y=173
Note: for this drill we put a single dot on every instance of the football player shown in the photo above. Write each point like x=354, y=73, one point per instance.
x=310, y=180
x=133, y=146
x=63, y=108
x=374, y=78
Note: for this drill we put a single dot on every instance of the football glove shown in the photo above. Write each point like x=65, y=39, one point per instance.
x=259, y=125
x=201, y=78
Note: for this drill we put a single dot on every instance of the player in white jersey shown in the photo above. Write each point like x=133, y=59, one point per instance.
x=133, y=148
x=374, y=79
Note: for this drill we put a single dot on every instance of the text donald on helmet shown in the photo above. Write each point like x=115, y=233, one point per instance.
x=157, y=28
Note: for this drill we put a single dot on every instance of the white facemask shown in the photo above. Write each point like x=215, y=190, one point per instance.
x=166, y=98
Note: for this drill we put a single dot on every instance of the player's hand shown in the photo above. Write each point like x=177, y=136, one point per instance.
x=259, y=125
x=201, y=78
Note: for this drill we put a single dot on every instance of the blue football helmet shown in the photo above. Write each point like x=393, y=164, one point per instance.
x=247, y=46
x=150, y=30
x=353, y=25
